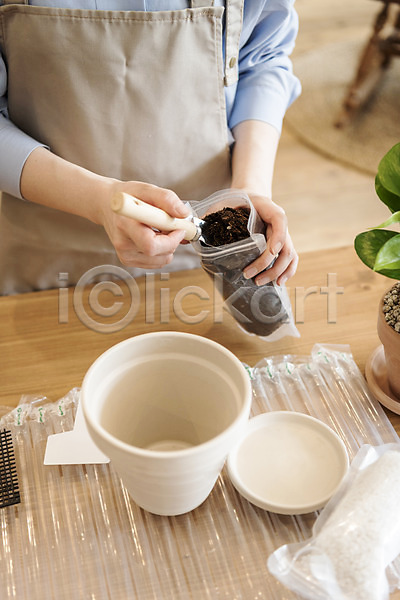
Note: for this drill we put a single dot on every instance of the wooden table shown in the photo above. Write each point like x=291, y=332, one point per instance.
x=47, y=342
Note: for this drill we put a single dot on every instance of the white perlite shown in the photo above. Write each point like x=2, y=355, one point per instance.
x=362, y=535
x=355, y=537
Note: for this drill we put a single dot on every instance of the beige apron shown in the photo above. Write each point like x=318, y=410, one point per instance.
x=131, y=95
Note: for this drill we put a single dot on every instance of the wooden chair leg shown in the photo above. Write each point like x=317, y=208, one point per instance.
x=369, y=71
x=391, y=45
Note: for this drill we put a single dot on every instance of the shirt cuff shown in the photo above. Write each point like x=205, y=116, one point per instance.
x=15, y=147
x=263, y=103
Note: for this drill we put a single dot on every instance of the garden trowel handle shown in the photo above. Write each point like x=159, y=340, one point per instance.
x=129, y=206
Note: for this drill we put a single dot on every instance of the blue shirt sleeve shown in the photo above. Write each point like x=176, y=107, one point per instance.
x=266, y=85
x=15, y=146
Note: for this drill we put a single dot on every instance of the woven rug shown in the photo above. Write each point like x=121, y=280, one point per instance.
x=325, y=74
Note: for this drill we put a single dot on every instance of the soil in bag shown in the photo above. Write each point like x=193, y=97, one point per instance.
x=226, y=226
x=258, y=309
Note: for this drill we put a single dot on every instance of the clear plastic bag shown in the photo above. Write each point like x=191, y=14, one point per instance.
x=355, y=538
x=77, y=533
x=264, y=311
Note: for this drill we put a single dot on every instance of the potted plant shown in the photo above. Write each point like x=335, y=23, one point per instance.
x=379, y=249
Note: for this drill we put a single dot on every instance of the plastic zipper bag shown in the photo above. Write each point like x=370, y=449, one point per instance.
x=265, y=310
x=355, y=538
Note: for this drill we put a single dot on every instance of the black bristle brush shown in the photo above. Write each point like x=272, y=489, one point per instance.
x=9, y=490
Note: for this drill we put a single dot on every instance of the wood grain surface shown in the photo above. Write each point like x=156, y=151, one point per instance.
x=333, y=296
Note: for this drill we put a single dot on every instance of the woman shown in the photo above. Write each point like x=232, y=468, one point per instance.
x=149, y=98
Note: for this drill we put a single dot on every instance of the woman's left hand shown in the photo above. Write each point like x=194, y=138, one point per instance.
x=279, y=246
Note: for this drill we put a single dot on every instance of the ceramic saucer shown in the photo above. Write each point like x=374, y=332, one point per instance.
x=288, y=463
x=376, y=376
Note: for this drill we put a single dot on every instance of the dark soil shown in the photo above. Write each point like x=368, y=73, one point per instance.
x=226, y=226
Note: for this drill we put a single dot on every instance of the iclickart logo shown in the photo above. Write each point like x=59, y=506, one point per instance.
x=107, y=298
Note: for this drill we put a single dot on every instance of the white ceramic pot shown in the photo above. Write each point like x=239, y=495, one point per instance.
x=167, y=408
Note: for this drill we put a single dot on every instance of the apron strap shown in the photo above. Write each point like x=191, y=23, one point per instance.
x=233, y=26
x=201, y=3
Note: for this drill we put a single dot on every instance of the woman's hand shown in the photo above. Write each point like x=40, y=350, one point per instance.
x=52, y=181
x=138, y=245
x=279, y=246
x=253, y=160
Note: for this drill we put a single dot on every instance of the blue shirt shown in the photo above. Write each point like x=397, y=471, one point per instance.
x=265, y=89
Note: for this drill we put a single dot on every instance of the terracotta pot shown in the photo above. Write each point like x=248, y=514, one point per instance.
x=391, y=343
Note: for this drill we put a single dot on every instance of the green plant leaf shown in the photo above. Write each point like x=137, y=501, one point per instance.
x=387, y=181
x=395, y=274
x=368, y=244
x=395, y=218
x=388, y=257
x=391, y=200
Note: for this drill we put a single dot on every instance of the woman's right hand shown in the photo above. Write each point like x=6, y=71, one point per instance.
x=54, y=182
x=138, y=245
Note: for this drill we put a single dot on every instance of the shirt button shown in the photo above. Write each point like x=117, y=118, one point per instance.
x=232, y=62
